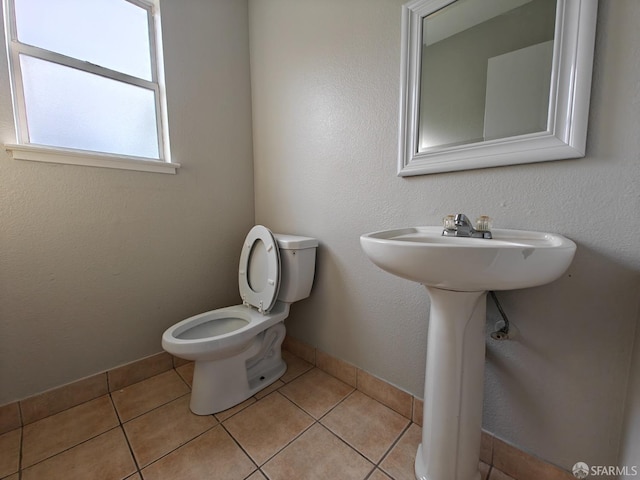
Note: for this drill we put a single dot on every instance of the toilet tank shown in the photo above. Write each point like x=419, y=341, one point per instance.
x=298, y=266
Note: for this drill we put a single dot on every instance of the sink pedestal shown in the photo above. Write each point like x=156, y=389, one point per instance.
x=452, y=420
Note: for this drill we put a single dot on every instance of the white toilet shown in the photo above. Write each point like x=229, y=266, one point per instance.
x=237, y=349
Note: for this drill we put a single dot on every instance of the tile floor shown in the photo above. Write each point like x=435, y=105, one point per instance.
x=308, y=425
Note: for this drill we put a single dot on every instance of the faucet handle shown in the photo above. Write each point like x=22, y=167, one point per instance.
x=449, y=222
x=484, y=223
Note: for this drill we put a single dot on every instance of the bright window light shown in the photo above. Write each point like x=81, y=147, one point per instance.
x=86, y=76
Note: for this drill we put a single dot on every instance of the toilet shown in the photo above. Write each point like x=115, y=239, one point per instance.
x=236, y=349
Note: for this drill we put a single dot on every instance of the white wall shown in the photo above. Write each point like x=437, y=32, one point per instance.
x=630, y=452
x=325, y=83
x=96, y=263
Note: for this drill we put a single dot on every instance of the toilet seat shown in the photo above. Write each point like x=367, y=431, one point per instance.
x=259, y=270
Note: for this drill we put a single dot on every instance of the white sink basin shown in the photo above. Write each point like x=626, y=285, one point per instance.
x=512, y=259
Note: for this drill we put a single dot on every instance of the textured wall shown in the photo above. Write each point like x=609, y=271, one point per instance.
x=325, y=83
x=96, y=263
x=630, y=448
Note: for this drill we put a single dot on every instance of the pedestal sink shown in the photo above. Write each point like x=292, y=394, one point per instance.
x=457, y=272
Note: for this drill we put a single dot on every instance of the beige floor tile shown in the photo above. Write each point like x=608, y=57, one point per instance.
x=316, y=392
x=9, y=452
x=230, y=412
x=144, y=396
x=267, y=390
x=164, y=429
x=15, y=476
x=186, y=372
x=135, y=476
x=317, y=454
x=265, y=427
x=484, y=470
x=379, y=475
x=105, y=457
x=295, y=366
x=399, y=463
x=368, y=426
x=52, y=435
x=257, y=475
x=214, y=454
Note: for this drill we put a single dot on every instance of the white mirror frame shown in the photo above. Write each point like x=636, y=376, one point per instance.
x=566, y=132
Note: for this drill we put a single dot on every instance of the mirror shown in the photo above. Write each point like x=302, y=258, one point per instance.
x=486, y=83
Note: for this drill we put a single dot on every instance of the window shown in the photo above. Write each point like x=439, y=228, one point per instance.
x=86, y=83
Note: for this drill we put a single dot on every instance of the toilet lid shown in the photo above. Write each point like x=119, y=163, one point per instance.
x=259, y=271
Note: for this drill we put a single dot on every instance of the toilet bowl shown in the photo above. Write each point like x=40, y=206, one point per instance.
x=237, y=349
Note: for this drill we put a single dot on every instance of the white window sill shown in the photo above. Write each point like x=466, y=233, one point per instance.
x=37, y=153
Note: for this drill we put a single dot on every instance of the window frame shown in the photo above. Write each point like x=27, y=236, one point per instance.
x=24, y=150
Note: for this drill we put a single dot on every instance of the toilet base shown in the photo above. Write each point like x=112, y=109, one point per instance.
x=221, y=384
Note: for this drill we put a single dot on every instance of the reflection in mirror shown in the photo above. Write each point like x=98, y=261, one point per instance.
x=486, y=71
x=486, y=83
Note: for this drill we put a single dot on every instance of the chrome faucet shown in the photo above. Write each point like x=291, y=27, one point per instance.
x=459, y=225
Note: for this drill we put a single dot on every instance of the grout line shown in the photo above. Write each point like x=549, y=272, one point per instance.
x=181, y=378
x=241, y=448
x=316, y=421
x=393, y=445
x=115, y=408
x=20, y=414
x=254, y=472
x=69, y=448
x=313, y=423
x=126, y=439
x=241, y=410
x=133, y=456
x=152, y=409
x=374, y=471
x=178, y=447
x=337, y=404
x=295, y=437
x=352, y=448
x=325, y=413
x=288, y=443
x=139, y=468
x=20, y=452
x=352, y=392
